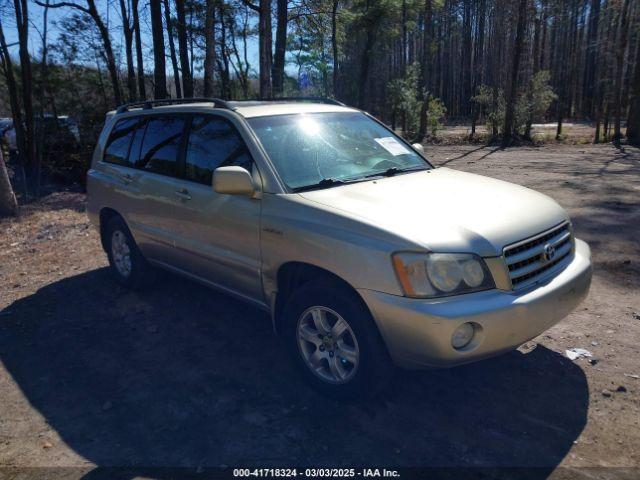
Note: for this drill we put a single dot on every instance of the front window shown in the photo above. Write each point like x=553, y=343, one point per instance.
x=323, y=149
x=213, y=142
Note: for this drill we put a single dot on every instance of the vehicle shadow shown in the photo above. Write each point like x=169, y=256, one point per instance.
x=470, y=152
x=181, y=376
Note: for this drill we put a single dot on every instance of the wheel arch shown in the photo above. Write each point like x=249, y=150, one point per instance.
x=292, y=275
x=106, y=214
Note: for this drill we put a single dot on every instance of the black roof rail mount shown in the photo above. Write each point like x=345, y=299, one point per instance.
x=146, y=104
x=328, y=101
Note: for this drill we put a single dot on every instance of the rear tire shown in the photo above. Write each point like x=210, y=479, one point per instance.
x=334, y=342
x=127, y=264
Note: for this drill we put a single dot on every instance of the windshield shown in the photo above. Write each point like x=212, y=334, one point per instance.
x=323, y=149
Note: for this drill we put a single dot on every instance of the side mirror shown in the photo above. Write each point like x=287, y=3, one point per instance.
x=418, y=147
x=233, y=181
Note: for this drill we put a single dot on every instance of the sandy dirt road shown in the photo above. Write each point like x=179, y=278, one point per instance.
x=93, y=376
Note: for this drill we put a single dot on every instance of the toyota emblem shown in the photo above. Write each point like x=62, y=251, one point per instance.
x=548, y=253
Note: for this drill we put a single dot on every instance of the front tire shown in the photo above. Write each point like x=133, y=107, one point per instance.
x=334, y=342
x=126, y=262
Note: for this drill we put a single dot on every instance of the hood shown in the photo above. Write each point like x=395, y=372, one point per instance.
x=446, y=210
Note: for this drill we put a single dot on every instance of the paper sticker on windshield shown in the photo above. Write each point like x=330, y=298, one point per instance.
x=393, y=146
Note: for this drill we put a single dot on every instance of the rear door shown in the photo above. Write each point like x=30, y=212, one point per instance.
x=118, y=186
x=217, y=236
x=155, y=153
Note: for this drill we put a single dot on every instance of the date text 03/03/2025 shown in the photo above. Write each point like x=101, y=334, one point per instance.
x=316, y=472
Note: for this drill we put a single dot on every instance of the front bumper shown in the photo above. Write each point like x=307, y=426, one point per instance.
x=418, y=332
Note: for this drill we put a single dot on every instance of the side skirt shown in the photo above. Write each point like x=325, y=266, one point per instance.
x=165, y=266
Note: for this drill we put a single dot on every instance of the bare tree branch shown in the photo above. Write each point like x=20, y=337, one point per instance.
x=251, y=5
x=65, y=4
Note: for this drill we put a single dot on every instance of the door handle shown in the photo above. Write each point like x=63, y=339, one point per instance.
x=127, y=178
x=183, y=194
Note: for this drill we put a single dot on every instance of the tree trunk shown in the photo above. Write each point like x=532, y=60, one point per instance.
x=281, y=47
x=127, y=30
x=602, y=72
x=423, y=84
x=536, y=46
x=41, y=100
x=139, y=61
x=225, y=74
x=264, y=27
x=513, y=88
x=183, y=49
x=623, y=33
x=560, y=64
x=242, y=63
x=159, y=74
x=245, y=54
x=334, y=44
x=591, y=57
x=479, y=60
x=103, y=93
x=633, y=121
x=14, y=102
x=172, y=48
x=560, y=116
x=403, y=42
x=8, y=202
x=467, y=60
x=403, y=61
x=572, y=61
x=108, y=50
x=364, y=69
x=537, y=21
x=28, y=153
x=210, y=47
x=543, y=40
x=190, y=38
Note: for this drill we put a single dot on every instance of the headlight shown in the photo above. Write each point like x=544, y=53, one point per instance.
x=425, y=275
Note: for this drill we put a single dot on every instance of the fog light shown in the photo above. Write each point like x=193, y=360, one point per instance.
x=462, y=335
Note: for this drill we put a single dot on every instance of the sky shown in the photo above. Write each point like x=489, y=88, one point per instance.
x=110, y=12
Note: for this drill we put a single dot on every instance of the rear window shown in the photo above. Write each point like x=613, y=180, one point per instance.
x=117, y=148
x=161, y=145
x=136, y=143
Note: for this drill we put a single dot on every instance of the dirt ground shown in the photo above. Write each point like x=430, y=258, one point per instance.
x=93, y=376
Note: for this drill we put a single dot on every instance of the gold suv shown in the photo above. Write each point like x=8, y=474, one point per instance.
x=364, y=253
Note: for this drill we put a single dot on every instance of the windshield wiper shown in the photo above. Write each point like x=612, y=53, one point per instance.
x=325, y=182
x=390, y=172
x=332, y=182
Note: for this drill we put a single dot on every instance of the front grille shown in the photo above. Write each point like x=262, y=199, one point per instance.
x=535, y=258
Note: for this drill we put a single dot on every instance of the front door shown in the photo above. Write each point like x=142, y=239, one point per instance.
x=217, y=236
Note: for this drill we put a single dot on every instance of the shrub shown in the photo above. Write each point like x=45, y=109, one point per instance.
x=402, y=94
x=435, y=115
x=492, y=103
x=533, y=102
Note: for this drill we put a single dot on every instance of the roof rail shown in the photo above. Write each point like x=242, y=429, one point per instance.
x=146, y=104
x=329, y=101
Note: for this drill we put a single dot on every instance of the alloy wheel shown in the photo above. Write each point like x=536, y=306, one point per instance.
x=121, y=253
x=328, y=345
